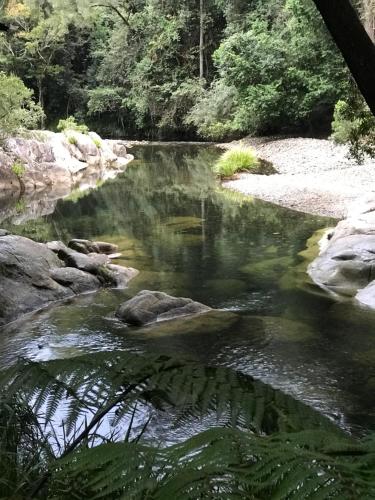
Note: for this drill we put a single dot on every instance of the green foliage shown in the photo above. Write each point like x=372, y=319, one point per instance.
x=264, y=445
x=354, y=124
x=132, y=68
x=17, y=108
x=269, y=66
x=18, y=169
x=70, y=123
x=238, y=159
x=97, y=142
x=72, y=140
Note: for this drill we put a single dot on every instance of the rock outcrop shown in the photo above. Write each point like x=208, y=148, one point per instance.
x=47, y=159
x=346, y=266
x=35, y=274
x=149, y=307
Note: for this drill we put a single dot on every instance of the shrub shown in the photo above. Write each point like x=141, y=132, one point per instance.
x=71, y=124
x=18, y=169
x=353, y=123
x=72, y=140
x=97, y=142
x=236, y=160
x=17, y=109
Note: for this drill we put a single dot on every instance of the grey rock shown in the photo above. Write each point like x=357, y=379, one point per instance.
x=83, y=246
x=33, y=274
x=88, y=246
x=366, y=296
x=4, y=232
x=347, y=265
x=25, y=281
x=120, y=276
x=78, y=281
x=87, y=263
x=150, y=306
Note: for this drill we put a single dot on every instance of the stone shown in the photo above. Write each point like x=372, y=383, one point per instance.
x=120, y=275
x=88, y=246
x=25, y=281
x=78, y=281
x=34, y=274
x=87, y=263
x=150, y=306
x=4, y=232
x=366, y=296
x=347, y=265
x=51, y=159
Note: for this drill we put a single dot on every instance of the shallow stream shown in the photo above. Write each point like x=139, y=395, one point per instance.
x=189, y=237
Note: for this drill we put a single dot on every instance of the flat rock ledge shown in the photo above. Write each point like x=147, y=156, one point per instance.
x=33, y=274
x=45, y=159
x=149, y=307
x=345, y=268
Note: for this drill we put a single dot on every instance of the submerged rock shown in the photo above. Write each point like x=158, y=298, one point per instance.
x=35, y=274
x=149, y=306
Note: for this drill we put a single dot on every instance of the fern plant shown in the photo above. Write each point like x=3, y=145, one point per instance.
x=84, y=428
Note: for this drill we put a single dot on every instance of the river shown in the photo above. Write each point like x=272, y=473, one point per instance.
x=189, y=237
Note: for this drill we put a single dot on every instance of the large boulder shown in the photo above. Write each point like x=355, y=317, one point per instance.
x=346, y=265
x=149, y=306
x=35, y=274
x=49, y=159
x=26, y=283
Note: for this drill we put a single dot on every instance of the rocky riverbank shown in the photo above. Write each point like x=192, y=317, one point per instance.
x=314, y=175
x=47, y=161
x=33, y=275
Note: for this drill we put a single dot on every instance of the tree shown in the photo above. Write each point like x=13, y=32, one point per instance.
x=354, y=43
x=17, y=108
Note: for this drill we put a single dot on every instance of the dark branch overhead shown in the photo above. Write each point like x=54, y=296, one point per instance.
x=354, y=43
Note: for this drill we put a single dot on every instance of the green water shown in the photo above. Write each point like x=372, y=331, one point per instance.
x=187, y=236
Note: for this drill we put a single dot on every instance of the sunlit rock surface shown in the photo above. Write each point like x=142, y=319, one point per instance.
x=47, y=159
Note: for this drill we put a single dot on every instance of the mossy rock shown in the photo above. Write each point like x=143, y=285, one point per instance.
x=200, y=324
x=269, y=269
x=224, y=288
x=297, y=276
x=176, y=284
x=182, y=224
x=280, y=329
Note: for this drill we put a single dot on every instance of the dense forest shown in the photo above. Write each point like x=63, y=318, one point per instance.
x=208, y=69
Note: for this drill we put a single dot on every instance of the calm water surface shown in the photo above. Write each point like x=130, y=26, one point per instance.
x=189, y=237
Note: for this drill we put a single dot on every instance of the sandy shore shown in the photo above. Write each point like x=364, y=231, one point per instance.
x=314, y=176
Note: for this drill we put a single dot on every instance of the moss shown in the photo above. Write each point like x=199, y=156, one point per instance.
x=269, y=269
x=18, y=169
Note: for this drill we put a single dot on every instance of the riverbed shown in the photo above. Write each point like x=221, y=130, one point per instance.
x=189, y=237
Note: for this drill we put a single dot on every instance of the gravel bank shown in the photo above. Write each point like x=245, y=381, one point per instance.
x=314, y=176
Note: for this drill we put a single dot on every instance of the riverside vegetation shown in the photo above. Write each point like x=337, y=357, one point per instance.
x=169, y=70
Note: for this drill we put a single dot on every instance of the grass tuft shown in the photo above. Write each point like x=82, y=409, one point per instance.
x=235, y=160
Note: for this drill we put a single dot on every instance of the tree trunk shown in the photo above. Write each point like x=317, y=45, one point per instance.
x=354, y=43
x=40, y=101
x=201, y=39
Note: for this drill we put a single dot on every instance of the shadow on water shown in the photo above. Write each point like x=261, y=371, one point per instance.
x=187, y=236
